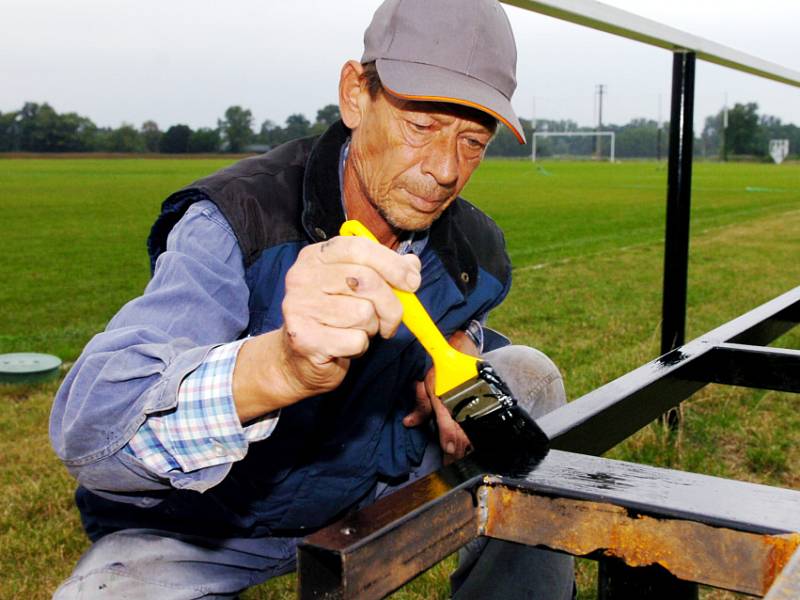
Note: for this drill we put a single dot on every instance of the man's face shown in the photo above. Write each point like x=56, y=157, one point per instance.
x=411, y=159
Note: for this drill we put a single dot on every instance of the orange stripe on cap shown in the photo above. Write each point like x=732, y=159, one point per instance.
x=475, y=105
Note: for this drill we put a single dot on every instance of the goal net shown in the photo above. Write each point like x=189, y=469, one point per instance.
x=574, y=144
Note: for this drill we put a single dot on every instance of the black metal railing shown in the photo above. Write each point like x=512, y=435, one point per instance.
x=695, y=528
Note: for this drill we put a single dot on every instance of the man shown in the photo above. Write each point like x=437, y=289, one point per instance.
x=261, y=387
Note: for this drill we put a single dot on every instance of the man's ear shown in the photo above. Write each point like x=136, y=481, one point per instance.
x=351, y=90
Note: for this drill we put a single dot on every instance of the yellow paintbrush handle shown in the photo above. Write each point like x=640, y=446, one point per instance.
x=452, y=367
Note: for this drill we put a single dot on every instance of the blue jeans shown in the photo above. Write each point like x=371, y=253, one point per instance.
x=148, y=563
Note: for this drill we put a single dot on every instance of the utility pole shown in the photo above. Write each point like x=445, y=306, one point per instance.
x=723, y=132
x=600, y=90
x=658, y=132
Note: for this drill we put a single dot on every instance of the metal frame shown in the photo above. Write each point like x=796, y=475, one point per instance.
x=599, y=420
x=729, y=534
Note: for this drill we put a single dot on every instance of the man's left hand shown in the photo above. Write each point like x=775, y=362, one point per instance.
x=452, y=438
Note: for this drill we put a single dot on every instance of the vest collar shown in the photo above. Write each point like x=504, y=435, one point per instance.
x=323, y=213
x=322, y=200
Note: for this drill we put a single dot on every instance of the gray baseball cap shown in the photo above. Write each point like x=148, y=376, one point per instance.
x=459, y=51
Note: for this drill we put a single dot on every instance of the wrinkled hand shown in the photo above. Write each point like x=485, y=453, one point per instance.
x=452, y=438
x=338, y=295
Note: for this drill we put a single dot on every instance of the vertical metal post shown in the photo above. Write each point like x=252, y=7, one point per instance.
x=679, y=192
x=617, y=581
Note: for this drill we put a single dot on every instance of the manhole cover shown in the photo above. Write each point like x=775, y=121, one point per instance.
x=28, y=367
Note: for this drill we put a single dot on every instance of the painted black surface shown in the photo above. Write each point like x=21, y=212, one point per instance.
x=679, y=193
x=751, y=366
x=599, y=420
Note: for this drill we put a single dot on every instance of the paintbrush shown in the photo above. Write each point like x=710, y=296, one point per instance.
x=474, y=393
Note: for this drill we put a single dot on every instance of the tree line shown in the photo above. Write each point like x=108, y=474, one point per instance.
x=39, y=128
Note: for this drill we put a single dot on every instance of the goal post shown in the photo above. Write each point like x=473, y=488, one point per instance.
x=547, y=134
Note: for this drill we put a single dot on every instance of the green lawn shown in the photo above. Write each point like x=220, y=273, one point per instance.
x=586, y=242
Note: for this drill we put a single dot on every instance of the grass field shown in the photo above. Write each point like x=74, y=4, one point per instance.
x=586, y=241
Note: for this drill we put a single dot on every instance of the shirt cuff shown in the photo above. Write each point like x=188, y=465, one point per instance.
x=474, y=331
x=204, y=429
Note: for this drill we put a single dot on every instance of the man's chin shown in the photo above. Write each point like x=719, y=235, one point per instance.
x=412, y=223
x=410, y=220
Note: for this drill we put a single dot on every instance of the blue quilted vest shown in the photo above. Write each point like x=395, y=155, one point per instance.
x=327, y=452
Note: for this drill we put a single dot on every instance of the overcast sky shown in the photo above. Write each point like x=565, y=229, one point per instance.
x=186, y=61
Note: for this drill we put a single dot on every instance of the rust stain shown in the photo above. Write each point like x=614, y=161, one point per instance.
x=690, y=550
x=780, y=551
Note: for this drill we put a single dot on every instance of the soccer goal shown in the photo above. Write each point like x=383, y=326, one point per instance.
x=593, y=134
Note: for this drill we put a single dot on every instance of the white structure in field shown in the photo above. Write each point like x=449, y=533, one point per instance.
x=595, y=134
x=778, y=150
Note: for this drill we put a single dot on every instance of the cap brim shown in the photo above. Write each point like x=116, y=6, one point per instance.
x=417, y=81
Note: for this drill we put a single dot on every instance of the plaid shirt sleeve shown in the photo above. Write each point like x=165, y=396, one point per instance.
x=203, y=430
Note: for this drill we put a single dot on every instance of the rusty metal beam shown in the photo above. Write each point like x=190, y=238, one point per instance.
x=787, y=586
x=378, y=549
x=725, y=533
x=716, y=556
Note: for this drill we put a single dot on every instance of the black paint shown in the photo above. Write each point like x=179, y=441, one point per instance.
x=599, y=420
x=679, y=194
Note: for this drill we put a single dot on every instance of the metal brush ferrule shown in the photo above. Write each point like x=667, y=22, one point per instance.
x=478, y=397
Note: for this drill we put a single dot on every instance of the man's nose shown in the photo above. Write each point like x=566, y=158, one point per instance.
x=441, y=161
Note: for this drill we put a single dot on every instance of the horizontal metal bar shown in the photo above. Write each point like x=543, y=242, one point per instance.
x=599, y=420
x=750, y=366
x=661, y=511
x=662, y=492
x=787, y=586
x=603, y=17
x=376, y=550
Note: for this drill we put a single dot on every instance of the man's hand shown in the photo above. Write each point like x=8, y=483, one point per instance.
x=452, y=438
x=338, y=295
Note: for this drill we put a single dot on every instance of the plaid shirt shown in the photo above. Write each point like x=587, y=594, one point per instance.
x=204, y=429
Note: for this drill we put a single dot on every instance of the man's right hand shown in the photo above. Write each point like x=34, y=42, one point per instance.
x=338, y=295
